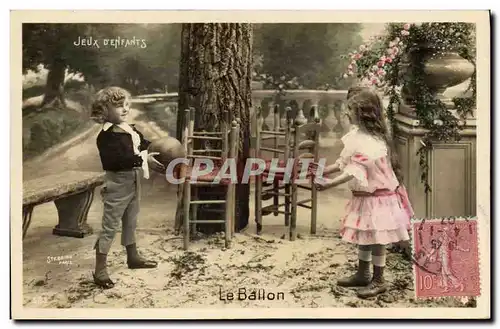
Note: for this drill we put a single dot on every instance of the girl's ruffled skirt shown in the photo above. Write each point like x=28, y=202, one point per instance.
x=381, y=219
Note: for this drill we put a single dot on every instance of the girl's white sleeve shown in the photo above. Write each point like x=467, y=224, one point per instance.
x=354, y=162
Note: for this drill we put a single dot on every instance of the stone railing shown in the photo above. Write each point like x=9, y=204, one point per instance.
x=329, y=104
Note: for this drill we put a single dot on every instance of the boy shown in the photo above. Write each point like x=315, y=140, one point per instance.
x=123, y=153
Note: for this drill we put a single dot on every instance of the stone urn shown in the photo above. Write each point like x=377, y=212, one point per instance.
x=443, y=69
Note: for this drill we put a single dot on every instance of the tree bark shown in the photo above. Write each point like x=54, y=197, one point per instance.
x=214, y=77
x=54, y=88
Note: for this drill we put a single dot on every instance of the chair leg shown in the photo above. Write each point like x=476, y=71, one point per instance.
x=187, y=203
x=194, y=210
x=293, y=222
x=314, y=207
x=228, y=214
x=258, y=203
x=276, y=200
x=287, y=204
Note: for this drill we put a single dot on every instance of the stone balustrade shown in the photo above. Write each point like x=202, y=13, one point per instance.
x=328, y=101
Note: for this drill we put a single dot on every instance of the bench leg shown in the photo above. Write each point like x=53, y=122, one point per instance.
x=27, y=213
x=73, y=212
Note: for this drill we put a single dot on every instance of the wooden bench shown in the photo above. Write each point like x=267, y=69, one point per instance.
x=71, y=191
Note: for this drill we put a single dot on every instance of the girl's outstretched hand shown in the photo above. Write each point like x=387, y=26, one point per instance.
x=323, y=183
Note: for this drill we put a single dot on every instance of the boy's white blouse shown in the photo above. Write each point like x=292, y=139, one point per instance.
x=136, y=140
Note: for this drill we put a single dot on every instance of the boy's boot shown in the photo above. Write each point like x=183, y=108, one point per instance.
x=134, y=260
x=101, y=277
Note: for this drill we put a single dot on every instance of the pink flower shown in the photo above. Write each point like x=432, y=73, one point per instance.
x=357, y=56
x=380, y=63
x=374, y=81
x=406, y=26
x=381, y=72
x=350, y=67
x=395, y=50
x=388, y=60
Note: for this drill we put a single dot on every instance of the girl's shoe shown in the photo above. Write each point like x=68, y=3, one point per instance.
x=377, y=286
x=360, y=279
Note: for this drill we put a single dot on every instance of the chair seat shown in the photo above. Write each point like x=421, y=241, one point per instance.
x=278, y=176
x=311, y=170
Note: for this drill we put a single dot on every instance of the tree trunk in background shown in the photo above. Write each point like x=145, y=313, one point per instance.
x=54, y=88
x=215, y=76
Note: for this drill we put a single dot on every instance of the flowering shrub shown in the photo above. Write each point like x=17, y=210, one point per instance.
x=386, y=63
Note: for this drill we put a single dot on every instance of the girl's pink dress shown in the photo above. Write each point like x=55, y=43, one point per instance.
x=379, y=211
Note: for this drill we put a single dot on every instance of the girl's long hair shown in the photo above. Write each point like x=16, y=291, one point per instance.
x=367, y=106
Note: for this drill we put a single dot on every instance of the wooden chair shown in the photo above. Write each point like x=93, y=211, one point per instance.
x=292, y=147
x=229, y=138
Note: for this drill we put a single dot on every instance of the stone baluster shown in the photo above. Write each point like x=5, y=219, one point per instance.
x=338, y=107
x=268, y=115
x=315, y=99
x=329, y=120
x=257, y=106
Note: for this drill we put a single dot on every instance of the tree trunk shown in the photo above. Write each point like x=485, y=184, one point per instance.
x=54, y=88
x=215, y=76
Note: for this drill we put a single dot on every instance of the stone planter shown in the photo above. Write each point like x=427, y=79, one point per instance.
x=442, y=70
x=452, y=165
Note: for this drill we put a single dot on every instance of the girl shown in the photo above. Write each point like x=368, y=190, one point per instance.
x=379, y=212
x=123, y=153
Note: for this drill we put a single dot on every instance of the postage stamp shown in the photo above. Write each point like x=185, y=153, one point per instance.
x=185, y=164
x=446, y=257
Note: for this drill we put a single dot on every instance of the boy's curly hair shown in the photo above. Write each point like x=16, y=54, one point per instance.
x=104, y=98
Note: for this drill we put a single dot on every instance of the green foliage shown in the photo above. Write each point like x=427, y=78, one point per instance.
x=294, y=56
x=135, y=68
x=405, y=70
x=164, y=114
x=45, y=129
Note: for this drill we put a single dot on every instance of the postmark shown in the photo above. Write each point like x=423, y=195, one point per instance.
x=446, y=257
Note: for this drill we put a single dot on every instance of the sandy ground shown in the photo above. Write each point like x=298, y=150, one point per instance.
x=304, y=270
